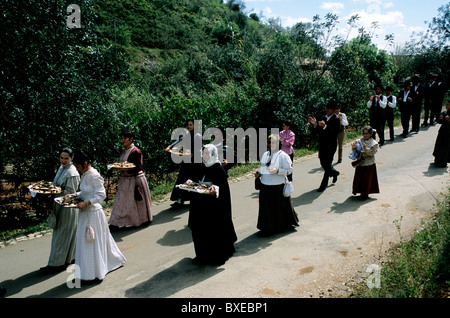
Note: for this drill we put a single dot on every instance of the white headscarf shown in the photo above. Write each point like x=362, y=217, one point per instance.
x=213, y=155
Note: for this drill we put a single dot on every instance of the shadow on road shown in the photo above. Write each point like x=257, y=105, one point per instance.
x=165, y=216
x=173, y=279
x=61, y=291
x=433, y=171
x=352, y=204
x=184, y=274
x=305, y=198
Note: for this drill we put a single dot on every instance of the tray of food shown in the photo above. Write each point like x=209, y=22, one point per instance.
x=44, y=187
x=180, y=152
x=125, y=165
x=194, y=187
x=68, y=202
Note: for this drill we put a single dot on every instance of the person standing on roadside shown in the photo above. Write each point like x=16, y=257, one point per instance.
x=377, y=104
x=389, y=112
x=405, y=105
x=327, y=127
x=417, y=95
x=341, y=134
x=287, y=142
x=431, y=96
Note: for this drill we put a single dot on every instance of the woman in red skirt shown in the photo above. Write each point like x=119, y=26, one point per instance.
x=365, y=180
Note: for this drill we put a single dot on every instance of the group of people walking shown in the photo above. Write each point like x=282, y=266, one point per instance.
x=411, y=100
x=81, y=234
x=210, y=215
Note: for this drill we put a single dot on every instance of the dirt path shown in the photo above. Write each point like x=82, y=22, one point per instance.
x=339, y=238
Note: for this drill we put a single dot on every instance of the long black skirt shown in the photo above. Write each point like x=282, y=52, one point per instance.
x=365, y=180
x=276, y=213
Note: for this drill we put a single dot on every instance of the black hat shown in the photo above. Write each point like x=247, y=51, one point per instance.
x=332, y=104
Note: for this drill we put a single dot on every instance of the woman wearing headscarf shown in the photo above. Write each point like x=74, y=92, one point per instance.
x=365, y=180
x=276, y=213
x=133, y=204
x=210, y=217
x=62, y=251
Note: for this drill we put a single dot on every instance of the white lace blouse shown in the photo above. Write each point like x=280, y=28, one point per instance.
x=92, y=187
x=279, y=160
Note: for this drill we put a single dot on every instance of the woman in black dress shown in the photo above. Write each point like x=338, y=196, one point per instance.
x=441, y=150
x=188, y=170
x=210, y=218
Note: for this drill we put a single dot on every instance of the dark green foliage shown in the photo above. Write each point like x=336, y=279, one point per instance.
x=54, y=89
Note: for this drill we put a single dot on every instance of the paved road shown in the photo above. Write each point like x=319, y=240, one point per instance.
x=338, y=239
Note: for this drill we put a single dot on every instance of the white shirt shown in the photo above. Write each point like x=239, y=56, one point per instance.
x=394, y=101
x=279, y=160
x=383, y=102
x=405, y=96
x=344, y=121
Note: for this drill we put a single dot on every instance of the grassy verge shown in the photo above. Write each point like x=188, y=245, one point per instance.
x=420, y=267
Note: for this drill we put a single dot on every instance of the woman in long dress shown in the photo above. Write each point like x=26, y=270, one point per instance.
x=132, y=205
x=276, y=213
x=188, y=170
x=210, y=216
x=62, y=251
x=365, y=180
x=93, y=259
x=441, y=150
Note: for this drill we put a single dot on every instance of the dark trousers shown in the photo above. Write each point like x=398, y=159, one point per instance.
x=428, y=109
x=389, y=119
x=326, y=164
x=377, y=120
x=416, y=117
x=405, y=117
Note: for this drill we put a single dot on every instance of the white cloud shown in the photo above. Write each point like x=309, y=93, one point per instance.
x=291, y=21
x=334, y=7
x=392, y=18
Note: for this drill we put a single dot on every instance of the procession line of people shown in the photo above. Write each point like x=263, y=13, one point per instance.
x=210, y=216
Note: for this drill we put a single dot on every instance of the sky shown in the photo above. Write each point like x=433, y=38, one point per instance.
x=398, y=17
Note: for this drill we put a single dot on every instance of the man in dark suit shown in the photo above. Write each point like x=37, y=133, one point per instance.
x=441, y=92
x=431, y=96
x=391, y=101
x=405, y=105
x=327, y=128
x=377, y=104
x=417, y=95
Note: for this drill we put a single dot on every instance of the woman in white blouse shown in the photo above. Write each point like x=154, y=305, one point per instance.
x=276, y=213
x=93, y=259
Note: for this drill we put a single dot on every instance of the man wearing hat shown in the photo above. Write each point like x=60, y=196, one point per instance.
x=389, y=112
x=377, y=104
x=430, y=101
x=417, y=95
x=327, y=128
x=405, y=104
